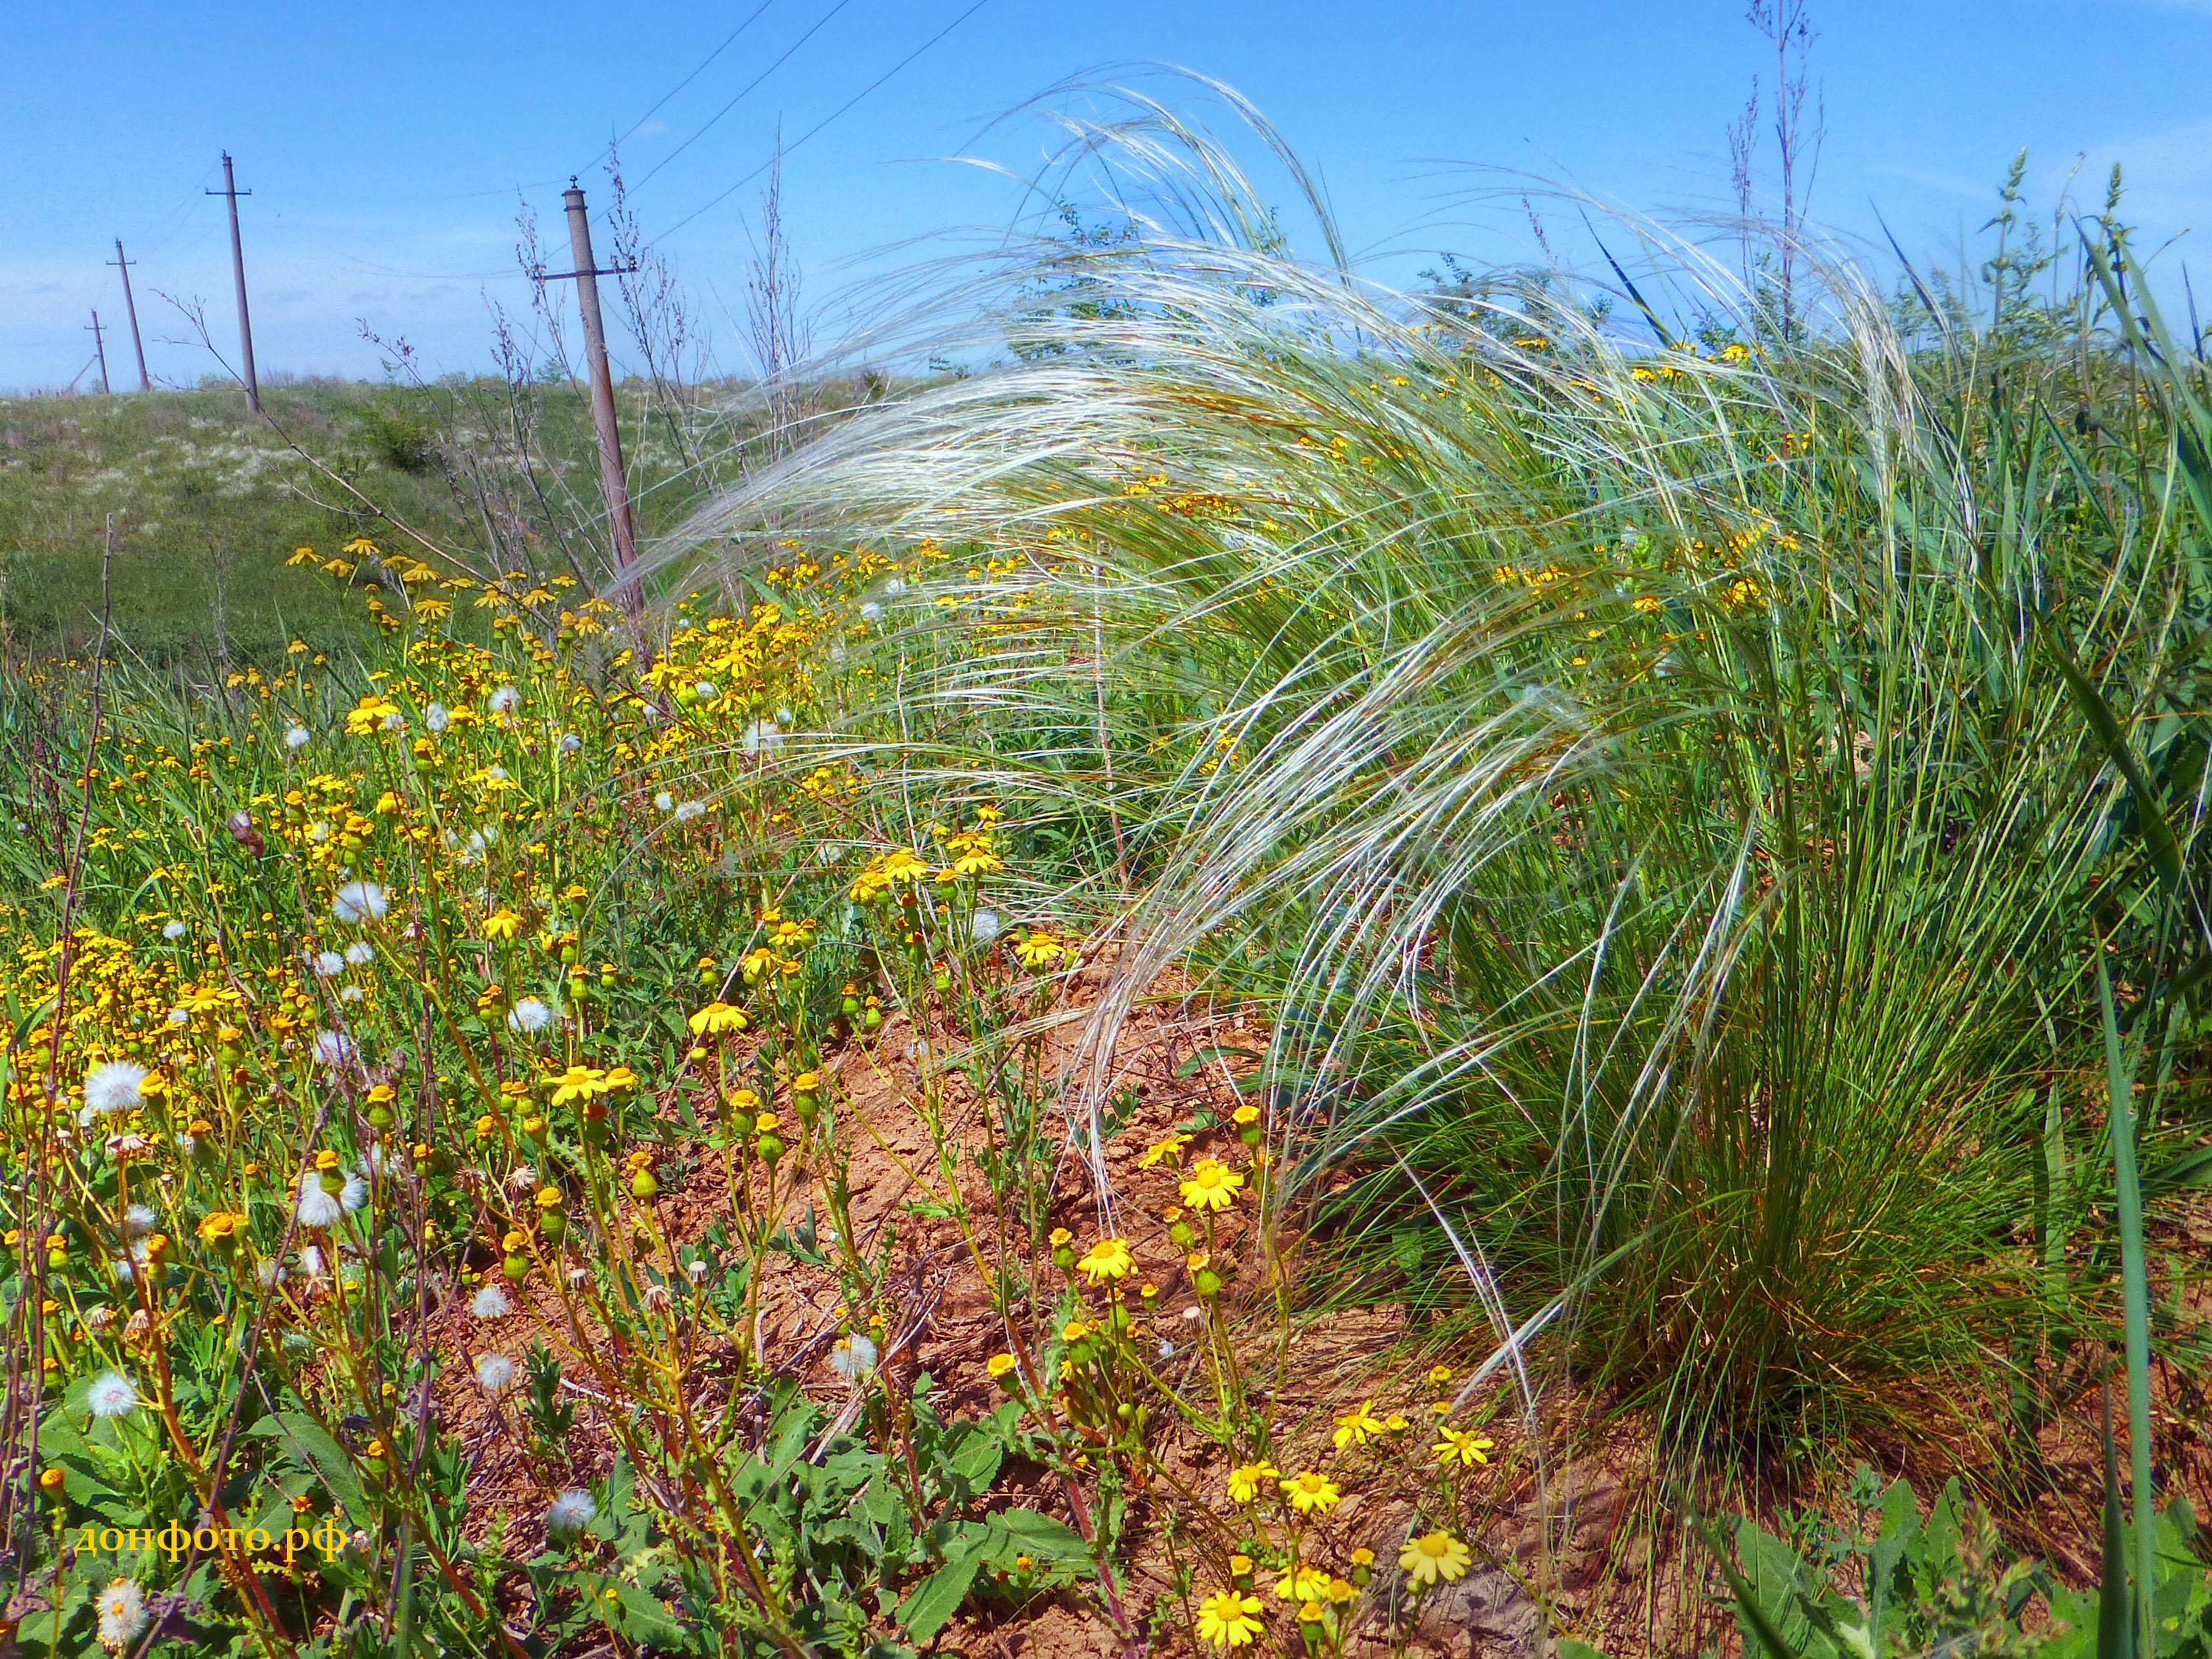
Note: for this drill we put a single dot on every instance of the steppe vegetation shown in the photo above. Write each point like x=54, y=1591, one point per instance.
x=1300, y=969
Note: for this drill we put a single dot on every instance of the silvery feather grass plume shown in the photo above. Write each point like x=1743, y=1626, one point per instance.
x=1635, y=769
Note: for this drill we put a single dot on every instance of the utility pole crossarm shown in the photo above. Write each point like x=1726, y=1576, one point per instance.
x=613, y=481
x=232, y=193
x=130, y=309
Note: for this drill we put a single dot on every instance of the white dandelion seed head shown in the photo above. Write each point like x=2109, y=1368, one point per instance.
x=986, y=925
x=528, y=1016
x=435, y=717
x=497, y=771
x=761, y=738
x=494, y=1372
x=358, y=902
x=577, y=1277
x=490, y=1302
x=317, y=1207
x=689, y=810
x=785, y=718
x=122, y=1614
x=503, y=701
x=327, y=963
x=523, y=1180
x=361, y=953
x=571, y=1511
x=270, y=1271
x=570, y=744
x=173, y=931
x=1167, y=1349
x=657, y=1298
x=894, y=587
x=350, y=993
x=334, y=1049
x=311, y=1261
x=664, y=801
x=112, y=1395
x=697, y=1268
x=853, y=1358
x=179, y=1017
x=871, y=612
x=706, y=690
x=295, y=737
x=1192, y=1312
x=112, y=1086
x=355, y=1193
x=137, y=1221
x=395, y=721
x=125, y=1272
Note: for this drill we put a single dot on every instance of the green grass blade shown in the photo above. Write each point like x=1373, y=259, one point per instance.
x=2134, y=1283
x=1770, y=1635
x=2165, y=850
x=2115, y=1630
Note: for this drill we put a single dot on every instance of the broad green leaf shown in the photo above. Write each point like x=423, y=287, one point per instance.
x=931, y=1604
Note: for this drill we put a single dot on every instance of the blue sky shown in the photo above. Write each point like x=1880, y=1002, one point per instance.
x=385, y=142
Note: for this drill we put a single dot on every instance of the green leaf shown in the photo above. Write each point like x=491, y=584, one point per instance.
x=931, y=1604
x=645, y=1618
x=1039, y=1536
x=311, y=1444
x=1747, y=1601
x=2150, y=819
x=2135, y=1284
x=1216, y=1051
x=977, y=1460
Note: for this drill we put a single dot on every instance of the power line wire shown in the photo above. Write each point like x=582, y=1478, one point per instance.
x=698, y=70
x=727, y=42
x=743, y=95
x=786, y=149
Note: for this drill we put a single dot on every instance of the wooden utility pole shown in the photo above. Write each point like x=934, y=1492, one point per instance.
x=130, y=310
x=613, y=483
x=231, y=192
x=100, y=351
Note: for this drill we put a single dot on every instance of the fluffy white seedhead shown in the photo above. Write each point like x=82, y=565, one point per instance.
x=528, y=1016
x=112, y=1086
x=122, y=1614
x=853, y=1358
x=359, y=902
x=570, y=1512
x=295, y=737
x=317, y=1207
x=495, y=1372
x=111, y=1396
x=490, y=1302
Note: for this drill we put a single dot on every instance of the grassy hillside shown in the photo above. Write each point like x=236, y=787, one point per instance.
x=208, y=501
